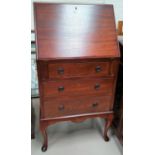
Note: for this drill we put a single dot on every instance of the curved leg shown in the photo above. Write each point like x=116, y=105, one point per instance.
x=107, y=125
x=45, y=143
x=32, y=122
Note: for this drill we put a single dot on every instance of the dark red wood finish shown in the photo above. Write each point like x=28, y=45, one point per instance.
x=72, y=87
x=67, y=70
x=75, y=68
x=77, y=62
x=76, y=105
x=75, y=31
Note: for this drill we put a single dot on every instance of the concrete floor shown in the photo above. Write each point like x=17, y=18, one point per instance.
x=69, y=138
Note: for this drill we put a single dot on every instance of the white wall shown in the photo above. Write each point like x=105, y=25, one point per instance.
x=118, y=6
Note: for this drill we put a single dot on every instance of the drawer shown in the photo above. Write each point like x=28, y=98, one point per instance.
x=87, y=69
x=81, y=105
x=72, y=87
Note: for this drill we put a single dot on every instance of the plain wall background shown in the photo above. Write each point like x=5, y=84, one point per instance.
x=118, y=6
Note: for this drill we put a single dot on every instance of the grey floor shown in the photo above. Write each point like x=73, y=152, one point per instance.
x=69, y=138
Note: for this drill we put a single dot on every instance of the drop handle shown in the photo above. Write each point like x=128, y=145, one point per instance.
x=97, y=86
x=61, y=107
x=98, y=69
x=94, y=104
x=61, y=88
x=60, y=70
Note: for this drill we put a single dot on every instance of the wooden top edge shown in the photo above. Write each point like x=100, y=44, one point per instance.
x=67, y=3
x=79, y=58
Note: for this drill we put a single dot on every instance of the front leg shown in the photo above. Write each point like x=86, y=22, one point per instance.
x=45, y=142
x=32, y=122
x=108, y=123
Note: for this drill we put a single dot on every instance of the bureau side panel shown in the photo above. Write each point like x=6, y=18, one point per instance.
x=42, y=75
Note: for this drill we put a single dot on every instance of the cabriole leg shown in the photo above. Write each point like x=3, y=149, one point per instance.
x=45, y=143
x=107, y=126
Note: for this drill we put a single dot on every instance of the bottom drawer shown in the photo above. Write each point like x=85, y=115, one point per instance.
x=78, y=105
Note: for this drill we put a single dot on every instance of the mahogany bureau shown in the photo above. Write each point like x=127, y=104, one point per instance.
x=77, y=63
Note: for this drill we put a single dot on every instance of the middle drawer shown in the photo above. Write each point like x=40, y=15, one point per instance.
x=70, y=87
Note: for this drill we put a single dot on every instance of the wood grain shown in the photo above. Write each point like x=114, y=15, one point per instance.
x=75, y=31
x=84, y=86
x=76, y=105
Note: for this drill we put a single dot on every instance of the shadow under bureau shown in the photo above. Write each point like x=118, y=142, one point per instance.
x=77, y=63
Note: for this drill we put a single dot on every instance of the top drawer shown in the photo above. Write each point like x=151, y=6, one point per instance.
x=52, y=70
x=68, y=70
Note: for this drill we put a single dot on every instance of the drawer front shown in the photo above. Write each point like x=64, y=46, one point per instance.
x=81, y=105
x=68, y=70
x=70, y=87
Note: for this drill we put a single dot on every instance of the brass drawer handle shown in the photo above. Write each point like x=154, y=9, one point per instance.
x=61, y=88
x=98, y=69
x=97, y=86
x=60, y=70
x=94, y=104
x=61, y=107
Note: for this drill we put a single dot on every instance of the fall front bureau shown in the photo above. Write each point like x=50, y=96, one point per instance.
x=77, y=63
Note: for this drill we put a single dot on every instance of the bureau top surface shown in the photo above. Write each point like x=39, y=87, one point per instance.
x=65, y=31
